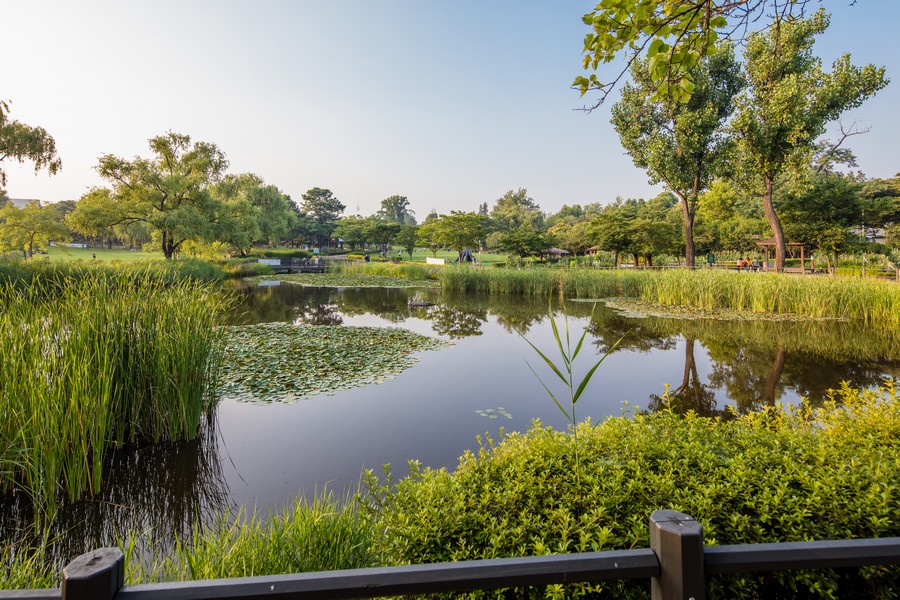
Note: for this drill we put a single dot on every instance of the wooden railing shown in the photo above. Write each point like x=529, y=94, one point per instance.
x=676, y=563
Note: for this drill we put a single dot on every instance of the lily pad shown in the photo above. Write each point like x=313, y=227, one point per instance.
x=283, y=362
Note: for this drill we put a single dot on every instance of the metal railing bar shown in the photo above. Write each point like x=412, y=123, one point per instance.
x=412, y=579
x=802, y=555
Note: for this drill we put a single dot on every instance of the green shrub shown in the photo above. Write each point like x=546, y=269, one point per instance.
x=776, y=476
x=280, y=253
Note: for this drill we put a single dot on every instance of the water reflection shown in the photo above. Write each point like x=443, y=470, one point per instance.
x=159, y=492
x=752, y=362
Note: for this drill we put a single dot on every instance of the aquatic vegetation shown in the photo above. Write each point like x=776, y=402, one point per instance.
x=869, y=301
x=348, y=280
x=282, y=362
x=99, y=361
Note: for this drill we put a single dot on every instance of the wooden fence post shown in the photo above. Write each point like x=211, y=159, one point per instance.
x=97, y=575
x=677, y=540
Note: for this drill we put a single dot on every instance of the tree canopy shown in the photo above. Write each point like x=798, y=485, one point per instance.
x=672, y=36
x=681, y=144
x=788, y=101
x=22, y=142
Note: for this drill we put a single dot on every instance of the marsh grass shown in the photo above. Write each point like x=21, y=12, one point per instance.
x=404, y=270
x=871, y=302
x=322, y=534
x=99, y=361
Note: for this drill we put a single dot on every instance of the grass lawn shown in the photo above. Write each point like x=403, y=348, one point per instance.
x=450, y=255
x=58, y=253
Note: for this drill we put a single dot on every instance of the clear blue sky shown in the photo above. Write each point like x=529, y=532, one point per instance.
x=447, y=103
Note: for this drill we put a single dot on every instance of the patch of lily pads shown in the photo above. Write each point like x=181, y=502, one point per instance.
x=629, y=307
x=283, y=362
x=354, y=280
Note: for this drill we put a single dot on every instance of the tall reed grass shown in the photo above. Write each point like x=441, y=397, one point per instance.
x=98, y=361
x=871, y=302
x=414, y=271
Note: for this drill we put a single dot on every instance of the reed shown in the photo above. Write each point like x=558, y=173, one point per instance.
x=871, y=302
x=321, y=534
x=99, y=361
x=414, y=271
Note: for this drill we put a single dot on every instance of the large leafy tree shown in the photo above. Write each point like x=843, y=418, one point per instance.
x=515, y=208
x=788, y=101
x=681, y=144
x=524, y=241
x=354, y=230
x=673, y=36
x=21, y=142
x=250, y=211
x=460, y=230
x=324, y=209
x=407, y=239
x=170, y=191
x=396, y=210
x=29, y=228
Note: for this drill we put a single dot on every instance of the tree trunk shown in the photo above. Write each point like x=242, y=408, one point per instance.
x=688, y=223
x=774, y=376
x=775, y=224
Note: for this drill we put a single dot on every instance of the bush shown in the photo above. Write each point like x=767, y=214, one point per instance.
x=775, y=476
x=280, y=253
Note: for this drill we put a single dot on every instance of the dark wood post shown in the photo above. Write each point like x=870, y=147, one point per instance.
x=97, y=575
x=677, y=540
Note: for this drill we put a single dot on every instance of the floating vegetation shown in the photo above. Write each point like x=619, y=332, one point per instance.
x=282, y=362
x=348, y=280
x=643, y=309
x=494, y=413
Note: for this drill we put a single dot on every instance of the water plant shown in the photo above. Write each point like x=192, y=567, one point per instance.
x=100, y=361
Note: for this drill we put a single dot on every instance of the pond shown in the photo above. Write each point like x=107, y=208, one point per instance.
x=259, y=455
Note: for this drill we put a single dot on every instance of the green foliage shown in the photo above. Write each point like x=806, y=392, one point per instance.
x=787, y=103
x=323, y=209
x=514, y=209
x=30, y=228
x=524, y=241
x=875, y=303
x=97, y=361
x=395, y=209
x=775, y=476
x=681, y=144
x=24, y=142
x=170, y=192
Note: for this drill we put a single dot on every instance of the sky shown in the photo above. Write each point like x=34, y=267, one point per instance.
x=450, y=104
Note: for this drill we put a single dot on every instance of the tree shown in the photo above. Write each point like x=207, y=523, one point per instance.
x=681, y=144
x=822, y=213
x=428, y=235
x=787, y=103
x=383, y=233
x=169, y=191
x=613, y=228
x=22, y=142
x=95, y=214
x=250, y=211
x=33, y=226
x=673, y=36
x=460, y=230
x=324, y=209
x=524, y=241
x=395, y=209
x=354, y=230
x=515, y=208
x=407, y=239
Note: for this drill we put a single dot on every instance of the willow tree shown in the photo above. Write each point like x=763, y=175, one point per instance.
x=681, y=144
x=170, y=192
x=22, y=142
x=788, y=101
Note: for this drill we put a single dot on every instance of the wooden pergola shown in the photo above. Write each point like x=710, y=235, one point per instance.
x=770, y=243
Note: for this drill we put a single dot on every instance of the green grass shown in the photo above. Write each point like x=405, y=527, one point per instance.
x=104, y=255
x=97, y=361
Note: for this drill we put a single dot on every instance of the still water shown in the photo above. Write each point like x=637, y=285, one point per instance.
x=261, y=455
